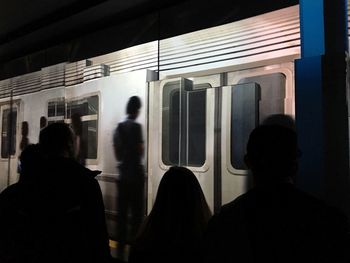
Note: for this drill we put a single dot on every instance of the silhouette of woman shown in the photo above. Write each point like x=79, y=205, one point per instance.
x=174, y=229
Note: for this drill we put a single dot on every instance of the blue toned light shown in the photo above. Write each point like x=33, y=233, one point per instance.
x=312, y=28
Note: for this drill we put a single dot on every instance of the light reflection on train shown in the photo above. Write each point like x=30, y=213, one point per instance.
x=200, y=119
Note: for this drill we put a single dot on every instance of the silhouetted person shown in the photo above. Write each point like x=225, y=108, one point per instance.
x=174, y=229
x=24, y=140
x=43, y=122
x=55, y=213
x=24, y=132
x=129, y=150
x=80, y=143
x=274, y=221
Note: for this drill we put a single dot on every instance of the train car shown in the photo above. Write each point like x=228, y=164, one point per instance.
x=202, y=94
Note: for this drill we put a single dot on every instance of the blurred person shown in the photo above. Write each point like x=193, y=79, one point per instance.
x=174, y=229
x=129, y=150
x=24, y=132
x=55, y=213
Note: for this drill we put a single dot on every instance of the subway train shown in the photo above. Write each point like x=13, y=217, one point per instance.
x=202, y=94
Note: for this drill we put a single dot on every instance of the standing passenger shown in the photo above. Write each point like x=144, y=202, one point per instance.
x=55, y=213
x=129, y=150
x=275, y=221
x=174, y=229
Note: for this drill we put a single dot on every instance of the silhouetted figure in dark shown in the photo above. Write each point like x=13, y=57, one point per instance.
x=274, y=221
x=24, y=132
x=24, y=141
x=55, y=213
x=129, y=150
x=80, y=143
x=43, y=122
x=175, y=227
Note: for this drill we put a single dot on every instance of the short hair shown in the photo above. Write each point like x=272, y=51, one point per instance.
x=134, y=104
x=57, y=139
x=273, y=150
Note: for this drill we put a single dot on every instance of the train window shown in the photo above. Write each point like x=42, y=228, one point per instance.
x=184, y=126
x=256, y=98
x=87, y=108
x=244, y=117
x=56, y=111
x=273, y=93
x=8, y=134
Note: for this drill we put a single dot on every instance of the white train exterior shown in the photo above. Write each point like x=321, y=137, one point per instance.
x=214, y=86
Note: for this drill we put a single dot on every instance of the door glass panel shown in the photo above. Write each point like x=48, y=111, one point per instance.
x=273, y=93
x=253, y=99
x=183, y=124
x=8, y=134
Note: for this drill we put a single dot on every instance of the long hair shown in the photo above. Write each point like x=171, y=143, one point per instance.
x=180, y=213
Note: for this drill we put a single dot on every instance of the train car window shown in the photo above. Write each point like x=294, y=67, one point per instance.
x=273, y=93
x=87, y=108
x=8, y=134
x=244, y=118
x=183, y=126
x=247, y=112
x=197, y=128
x=56, y=111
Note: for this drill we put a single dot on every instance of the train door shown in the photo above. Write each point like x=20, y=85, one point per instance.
x=9, y=144
x=181, y=118
x=204, y=123
x=251, y=96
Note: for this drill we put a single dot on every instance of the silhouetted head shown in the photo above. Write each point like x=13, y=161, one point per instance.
x=133, y=107
x=180, y=212
x=281, y=120
x=272, y=153
x=43, y=122
x=77, y=124
x=57, y=140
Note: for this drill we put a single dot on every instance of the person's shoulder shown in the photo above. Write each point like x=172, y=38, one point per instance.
x=231, y=211
x=10, y=192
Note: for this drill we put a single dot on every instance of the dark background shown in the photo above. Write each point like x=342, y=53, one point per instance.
x=39, y=33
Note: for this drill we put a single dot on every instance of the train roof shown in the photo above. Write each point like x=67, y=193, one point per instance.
x=39, y=33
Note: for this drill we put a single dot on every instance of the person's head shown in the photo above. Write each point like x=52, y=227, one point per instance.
x=281, y=120
x=77, y=124
x=180, y=207
x=43, y=122
x=57, y=140
x=272, y=153
x=133, y=107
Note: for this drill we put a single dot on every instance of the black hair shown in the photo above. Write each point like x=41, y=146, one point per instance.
x=133, y=106
x=57, y=140
x=273, y=151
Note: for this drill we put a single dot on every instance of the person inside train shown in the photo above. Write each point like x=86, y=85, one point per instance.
x=275, y=221
x=174, y=229
x=79, y=142
x=129, y=149
x=55, y=213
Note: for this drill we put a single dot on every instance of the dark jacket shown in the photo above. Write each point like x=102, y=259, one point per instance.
x=54, y=214
x=277, y=224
